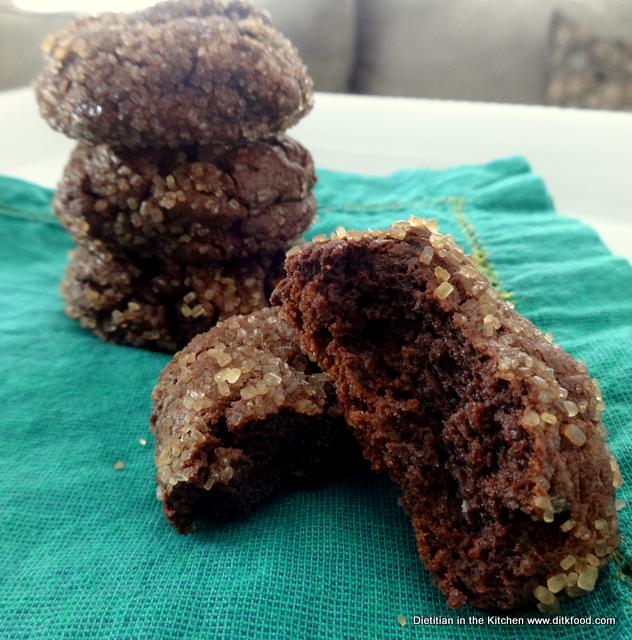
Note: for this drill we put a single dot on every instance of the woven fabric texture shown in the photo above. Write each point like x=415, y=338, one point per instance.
x=84, y=549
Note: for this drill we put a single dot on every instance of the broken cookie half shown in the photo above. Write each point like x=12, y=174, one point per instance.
x=491, y=432
x=239, y=413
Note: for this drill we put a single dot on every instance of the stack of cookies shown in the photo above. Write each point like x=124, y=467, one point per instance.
x=183, y=192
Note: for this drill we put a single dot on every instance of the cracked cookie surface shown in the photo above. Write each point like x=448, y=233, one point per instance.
x=194, y=71
x=161, y=305
x=192, y=205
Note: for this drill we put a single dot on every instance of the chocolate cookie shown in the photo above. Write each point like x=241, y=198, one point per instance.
x=193, y=71
x=161, y=305
x=491, y=432
x=194, y=206
x=237, y=414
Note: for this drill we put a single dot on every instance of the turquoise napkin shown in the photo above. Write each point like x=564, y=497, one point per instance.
x=84, y=550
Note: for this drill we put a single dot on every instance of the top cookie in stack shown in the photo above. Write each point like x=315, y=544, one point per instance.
x=189, y=72
x=183, y=180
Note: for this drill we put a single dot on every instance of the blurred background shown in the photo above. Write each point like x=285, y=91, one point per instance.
x=561, y=52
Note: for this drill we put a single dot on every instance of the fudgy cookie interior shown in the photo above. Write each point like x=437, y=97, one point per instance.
x=255, y=461
x=432, y=410
x=239, y=413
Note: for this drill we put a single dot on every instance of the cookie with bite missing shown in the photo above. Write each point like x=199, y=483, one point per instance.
x=491, y=432
x=239, y=413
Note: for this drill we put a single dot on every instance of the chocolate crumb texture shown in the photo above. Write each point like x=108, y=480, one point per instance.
x=239, y=413
x=161, y=305
x=197, y=205
x=178, y=73
x=492, y=432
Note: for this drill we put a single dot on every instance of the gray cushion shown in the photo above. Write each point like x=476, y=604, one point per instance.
x=589, y=69
x=491, y=50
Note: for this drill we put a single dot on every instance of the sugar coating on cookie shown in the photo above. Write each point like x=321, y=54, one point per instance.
x=180, y=72
x=491, y=431
x=161, y=305
x=192, y=205
x=238, y=413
